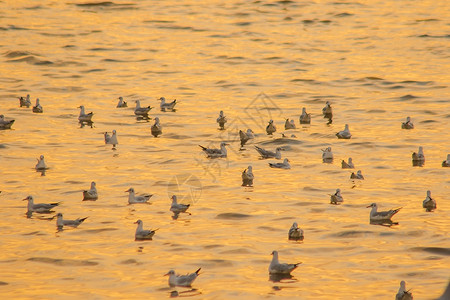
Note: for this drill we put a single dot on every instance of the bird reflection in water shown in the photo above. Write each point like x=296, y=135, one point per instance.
x=188, y=293
x=84, y=123
x=283, y=278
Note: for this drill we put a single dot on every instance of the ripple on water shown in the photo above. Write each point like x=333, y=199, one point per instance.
x=232, y=216
x=63, y=262
x=434, y=250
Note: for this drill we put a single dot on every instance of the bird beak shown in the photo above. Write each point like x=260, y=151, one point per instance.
x=167, y=274
x=24, y=199
x=135, y=222
x=127, y=190
x=369, y=206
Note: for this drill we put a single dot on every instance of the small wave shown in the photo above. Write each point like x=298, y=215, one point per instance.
x=408, y=97
x=434, y=250
x=31, y=60
x=130, y=261
x=351, y=234
x=232, y=216
x=345, y=14
x=95, y=231
x=12, y=27
x=434, y=36
x=63, y=262
x=3, y=283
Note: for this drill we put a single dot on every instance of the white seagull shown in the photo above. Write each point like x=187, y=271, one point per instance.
x=419, y=156
x=5, y=124
x=344, y=134
x=141, y=233
x=295, y=233
x=284, y=165
x=221, y=120
x=336, y=198
x=245, y=136
x=381, y=216
x=276, y=267
x=177, y=208
x=402, y=293
x=182, y=280
x=39, y=207
x=358, y=175
x=132, y=198
x=348, y=165
x=83, y=117
x=247, y=177
x=60, y=222
x=41, y=163
x=38, y=108
x=429, y=203
x=25, y=101
x=408, y=124
x=271, y=128
x=445, y=163
x=305, y=118
x=289, y=124
x=90, y=194
x=156, y=128
x=327, y=155
x=269, y=154
x=327, y=110
x=141, y=111
x=122, y=103
x=215, y=153
x=165, y=105
x=111, y=140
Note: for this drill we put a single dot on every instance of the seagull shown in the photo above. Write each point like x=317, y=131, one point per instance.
x=90, y=194
x=336, y=198
x=289, y=124
x=39, y=207
x=5, y=124
x=419, y=157
x=305, y=118
x=284, y=165
x=348, y=165
x=132, y=198
x=381, y=216
x=41, y=163
x=358, y=175
x=181, y=280
x=165, y=105
x=60, y=222
x=269, y=154
x=278, y=268
x=295, y=233
x=111, y=140
x=221, y=120
x=25, y=101
x=38, y=108
x=270, y=129
x=177, y=208
x=408, y=124
x=327, y=111
x=445, y=163
x=402, y=293
x=215, y=153
x=156, y=128
x=246, y=136
x=141, y=233
x=121, y=103
x=247, y=177
x=344, y=134
x=429, y=203
x=141, y=111
x=327, y=154
x=83, y=117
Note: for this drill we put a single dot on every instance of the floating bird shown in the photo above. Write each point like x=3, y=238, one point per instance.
x=5, y=124
x=418, y=159
x=39, y=207
x=284, y=165
x=327, y=155
x=270, y=129
x=336, y=198
x=111, y=140
x=221, y=120
x=295, y=233
x=276, y=267
x=182, y=280
x=25, y=101
x=445, y=163
x=132, y=198
x=141, y=233
x=156, y=128
x=348, y=165
x=358, y=175
x=37, y=108
x=381, y=216
x=90, y=194
x=344, y=134
x=165, y=105
x=41, y=163
x=327, y=111
x=247, y=177
x=408, y=124
x=305, y=118
x=446, y=294
x=245, y=136
x=177, y=208
x=121, y=103
x=60, y=222
x=141, y=111
x=289, y=124
x=83, y=117
x=429, y=203
x=402, y=293
x=215, y=153
x=269, y=154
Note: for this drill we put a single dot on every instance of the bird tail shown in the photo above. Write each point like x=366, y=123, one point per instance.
x=297, y=264
x=82, y=220
x=203, y=148
x=196, y=272
x=396, y=210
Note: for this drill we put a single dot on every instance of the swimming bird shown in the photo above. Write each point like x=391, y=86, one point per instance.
x=133, y=199
x=90, y=194
x=221, y=120
x=141, y=233
x=276, y=267
x=165, y=105
x=83, y=117
x=41, y=163
x=245, y=136
x=122, y=103
x=177, y=208
x=348, y=165
x=182, y=280
x=295, y=233
x=25, y=101
x=271, y=128
x=408, y=124
x=327, y=155
x=284, y=165
x=141, y=111
x=39, y=207
x=111, y=140
x=358, y=175
x=381, y=216
x=344, y=134
x=37, y=108
x=336, y=198
x=327, y=111
x=305, y=118
x=445, y=163
x=289, y=124
x=418, y=159
x=60, y=222
x=429, y=203
x=156, y=128
x=215, y=153
x=5, y=124
x=247, y=177
x=269, y=154
x=402, y=293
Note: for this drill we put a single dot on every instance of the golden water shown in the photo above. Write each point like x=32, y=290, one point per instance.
x=377, y=62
